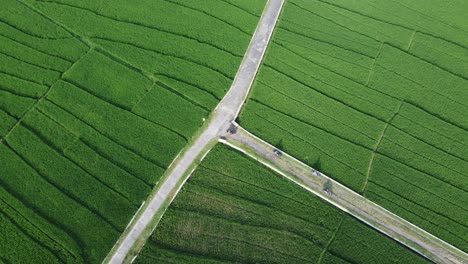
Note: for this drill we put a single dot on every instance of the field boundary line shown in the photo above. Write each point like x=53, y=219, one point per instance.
x=411, y=40
x=92, y=45
x=33, y=106
x=372, y=69
x=37, y=226
x=132, y=109
x=330, y=241
x=376, y=147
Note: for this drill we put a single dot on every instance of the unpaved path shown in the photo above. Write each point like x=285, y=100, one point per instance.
x=347, y=200
x=223, y=116
x=220, y=120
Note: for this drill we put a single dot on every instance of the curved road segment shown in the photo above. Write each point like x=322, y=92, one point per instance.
x=223, y=115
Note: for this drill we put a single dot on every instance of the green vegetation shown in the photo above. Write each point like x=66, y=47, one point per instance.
x=232, y=209
x=377, y=92
x=96, y=100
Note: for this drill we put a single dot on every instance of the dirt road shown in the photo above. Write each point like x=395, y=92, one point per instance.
x=347, y=200
x=219, y=122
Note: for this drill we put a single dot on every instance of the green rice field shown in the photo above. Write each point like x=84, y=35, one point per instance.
x=374, y=94
x=237, y=211
x=96, y=100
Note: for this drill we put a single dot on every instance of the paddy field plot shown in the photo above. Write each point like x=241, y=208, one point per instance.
x=374, y=94
x=233, y=209
x=96, y=100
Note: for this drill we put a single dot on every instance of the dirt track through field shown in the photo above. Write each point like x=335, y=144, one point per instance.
x=347, y=200
x=220, y=120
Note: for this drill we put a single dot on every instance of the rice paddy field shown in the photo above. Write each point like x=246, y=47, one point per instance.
x=96, y=100
x=237, y=211
x=374, y=94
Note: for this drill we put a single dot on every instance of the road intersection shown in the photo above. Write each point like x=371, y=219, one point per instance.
x=220, y=120
x=219, y=128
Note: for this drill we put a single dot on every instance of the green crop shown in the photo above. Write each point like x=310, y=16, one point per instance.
x=95, y=103
x=375, y=95
x=232, y=209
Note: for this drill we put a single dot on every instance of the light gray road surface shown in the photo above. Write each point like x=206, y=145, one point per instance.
x=224, y=113
x=347, y=200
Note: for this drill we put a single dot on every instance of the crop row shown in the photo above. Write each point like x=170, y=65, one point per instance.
x=411, y=16
x=372, y=100
x=16, y=241
x=95, y=103
x=203, y=60
x=39, y=233
x=234, y=209
x=211, y=69
x=24, y=180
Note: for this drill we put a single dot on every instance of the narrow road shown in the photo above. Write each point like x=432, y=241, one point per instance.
x=347, y=200
x=220, y=120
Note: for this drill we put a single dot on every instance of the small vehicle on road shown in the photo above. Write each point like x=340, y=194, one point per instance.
x=232, y=129
x=277, y=152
